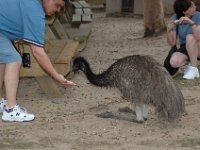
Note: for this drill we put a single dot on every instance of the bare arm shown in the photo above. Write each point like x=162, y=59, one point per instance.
x=45, y=63
x=195, y=28
x=171, y=35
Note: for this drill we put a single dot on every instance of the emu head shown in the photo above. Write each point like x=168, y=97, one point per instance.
x=80, y=63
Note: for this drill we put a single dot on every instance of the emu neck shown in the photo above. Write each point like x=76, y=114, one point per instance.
x=102, y=79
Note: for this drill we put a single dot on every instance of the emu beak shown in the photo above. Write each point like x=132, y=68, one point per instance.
x=70, y=74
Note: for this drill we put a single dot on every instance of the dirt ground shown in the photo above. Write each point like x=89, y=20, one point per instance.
x=71, y=123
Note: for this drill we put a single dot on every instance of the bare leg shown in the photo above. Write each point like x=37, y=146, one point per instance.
x=2, y=70
x=11, y=82
x=192, y=49
x=198, y=45
x=178, y=60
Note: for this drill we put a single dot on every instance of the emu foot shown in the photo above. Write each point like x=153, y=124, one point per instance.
x=106, y=114
x=119, y=116
x=126, y=110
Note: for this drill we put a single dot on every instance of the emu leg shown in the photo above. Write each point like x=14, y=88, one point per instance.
x=145, y=110
x=130, y=111
x=140, y=109
x=139, y=112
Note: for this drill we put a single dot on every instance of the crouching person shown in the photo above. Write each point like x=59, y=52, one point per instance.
x=185, y=26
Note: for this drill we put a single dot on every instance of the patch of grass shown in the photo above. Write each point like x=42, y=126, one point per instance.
x=16, y=144
x=190, y=142
x=151, y=143
x=185, y=83
x=12, y=143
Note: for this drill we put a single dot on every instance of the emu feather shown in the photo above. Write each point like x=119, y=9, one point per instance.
x=143, y=81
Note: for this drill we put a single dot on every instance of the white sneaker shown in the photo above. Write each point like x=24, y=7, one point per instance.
x=17, y=114
x=186, y=68
x=191, y=73
x=3, y=103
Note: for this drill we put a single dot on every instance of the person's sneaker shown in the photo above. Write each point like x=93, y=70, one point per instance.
x=191, y=73
x=3, y=103
x=186, y=68
x=17, y=114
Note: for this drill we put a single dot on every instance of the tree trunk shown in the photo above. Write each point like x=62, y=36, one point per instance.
x=154, y=23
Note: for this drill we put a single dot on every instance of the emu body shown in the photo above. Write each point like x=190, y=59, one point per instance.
x=143, y=81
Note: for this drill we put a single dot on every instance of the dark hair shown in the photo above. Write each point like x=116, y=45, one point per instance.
x=180, y=6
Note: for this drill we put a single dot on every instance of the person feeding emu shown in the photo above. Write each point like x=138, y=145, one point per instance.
x=142, y=81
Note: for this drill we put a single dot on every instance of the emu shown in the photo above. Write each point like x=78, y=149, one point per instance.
x=142, y=81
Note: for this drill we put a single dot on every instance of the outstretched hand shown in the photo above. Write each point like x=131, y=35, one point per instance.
x=62, y=80
x=69, y=83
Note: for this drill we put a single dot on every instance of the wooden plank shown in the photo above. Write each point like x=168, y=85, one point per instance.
x=33, y=71
x=87, y=11
x=83, y=33
x=49, y=87
x=64, y=19
x=76, y=18
x=49, y=34
x=59, y=29
x=69, y=16
x=62, y=68
x=96, y=2
x=76, y=4
x=84, y=4
x=67, y=53
x=72, y=32
x=84, y=30
x=69, y=9
x=55, y=48
x=86, y=18
x=78, y=11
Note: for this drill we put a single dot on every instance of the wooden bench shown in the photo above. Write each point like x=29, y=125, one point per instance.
x=82, y=12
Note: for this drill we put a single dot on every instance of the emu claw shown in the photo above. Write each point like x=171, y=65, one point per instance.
x=140, y=121
x=145, y=119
